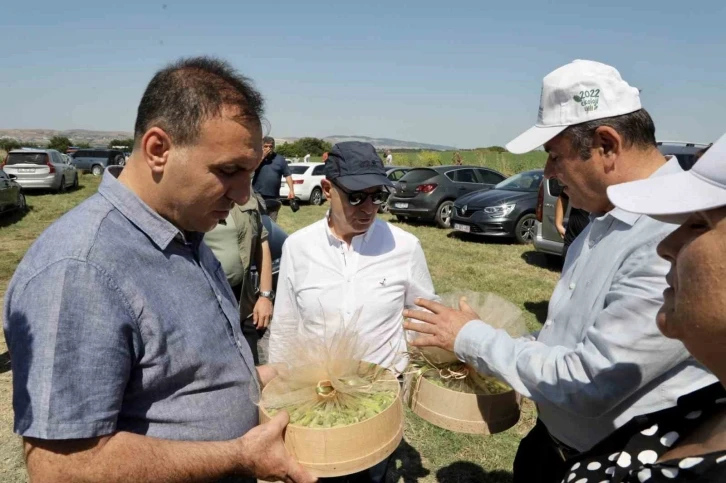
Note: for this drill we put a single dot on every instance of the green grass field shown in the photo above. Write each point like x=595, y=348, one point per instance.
x=506, y=163
x=428, y=454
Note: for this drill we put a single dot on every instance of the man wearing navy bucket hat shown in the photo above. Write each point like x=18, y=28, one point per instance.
x=351, y=260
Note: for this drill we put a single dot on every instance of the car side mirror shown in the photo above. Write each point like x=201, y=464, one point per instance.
x=12, y=176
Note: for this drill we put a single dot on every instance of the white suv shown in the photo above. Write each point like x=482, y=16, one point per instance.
x=307, y=178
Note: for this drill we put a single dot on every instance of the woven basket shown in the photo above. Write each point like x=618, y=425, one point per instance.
x=462, y=412
x=345, y=449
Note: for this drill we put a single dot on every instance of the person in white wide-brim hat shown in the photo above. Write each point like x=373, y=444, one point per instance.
x=688, y=442
x=599, y=359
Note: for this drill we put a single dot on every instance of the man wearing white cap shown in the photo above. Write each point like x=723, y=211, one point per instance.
x=599, y=360
x=686, y=442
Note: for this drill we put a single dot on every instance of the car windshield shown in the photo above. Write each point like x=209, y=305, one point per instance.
x=418, y=175
x=298, y=169
x=527, y=181
x=27, y=158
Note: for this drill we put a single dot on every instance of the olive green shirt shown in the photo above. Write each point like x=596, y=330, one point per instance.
x=237, y=244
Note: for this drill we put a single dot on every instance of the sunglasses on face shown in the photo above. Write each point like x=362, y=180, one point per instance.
x=356, y=198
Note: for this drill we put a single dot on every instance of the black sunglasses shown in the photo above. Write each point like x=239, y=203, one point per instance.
x=356, y=198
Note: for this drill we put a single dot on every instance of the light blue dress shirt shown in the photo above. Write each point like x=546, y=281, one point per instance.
x=600, y=359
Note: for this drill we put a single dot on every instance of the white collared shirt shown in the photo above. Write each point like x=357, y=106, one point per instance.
x=382, y=271
x=600, y=359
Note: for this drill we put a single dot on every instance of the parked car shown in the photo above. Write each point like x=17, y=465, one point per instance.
x=507, y=210
x=96, y=161
x=394, y=173
x=306, y=178
x=429, y=193
x=41, y=169
x=11, y=193
x=685, y=152
x=547, y=240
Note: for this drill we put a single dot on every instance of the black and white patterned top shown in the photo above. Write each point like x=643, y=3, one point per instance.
x=629, y=455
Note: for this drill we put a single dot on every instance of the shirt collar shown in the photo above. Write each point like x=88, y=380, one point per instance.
x=158, y=229
x=671, y=166
x=335, y=241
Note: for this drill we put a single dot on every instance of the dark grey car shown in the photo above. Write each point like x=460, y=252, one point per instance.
x=429, y=193
x=507, y=210
x=11, y=193
x=394, y=173
x=96, y=161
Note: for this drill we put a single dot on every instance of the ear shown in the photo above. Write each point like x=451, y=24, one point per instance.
x=608, y=142
x=327, y=188
x=155, y=145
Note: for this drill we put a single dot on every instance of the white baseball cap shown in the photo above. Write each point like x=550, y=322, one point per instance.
x=578, y=92
x=672, y=198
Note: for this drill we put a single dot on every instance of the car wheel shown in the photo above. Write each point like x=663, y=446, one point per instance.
x=62, y=187
x=443, y=214
x=122, y=162
x=525, y=229
x=316, y=197
x=383, y=208
x=96, y=170
x=22, y=203
x=75, y=182
x=401, y=218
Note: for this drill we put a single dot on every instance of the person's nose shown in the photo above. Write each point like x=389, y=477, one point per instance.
x=239, y=191
x=549, y=169
x=368, y=207
x=669, y=247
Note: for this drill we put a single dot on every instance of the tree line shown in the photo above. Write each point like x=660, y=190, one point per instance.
x=302, y=147
x=61, y=143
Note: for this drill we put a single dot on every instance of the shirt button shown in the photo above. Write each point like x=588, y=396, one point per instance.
x=219, y=298
x=548, y=323
x=572, y=286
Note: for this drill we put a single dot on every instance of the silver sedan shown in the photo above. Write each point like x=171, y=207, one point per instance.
x=41, y=169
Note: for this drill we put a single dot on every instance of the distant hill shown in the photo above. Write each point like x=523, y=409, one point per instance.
x=102, y=138
x=42, y=136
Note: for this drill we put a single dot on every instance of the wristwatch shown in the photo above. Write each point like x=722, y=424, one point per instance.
x=268, y=295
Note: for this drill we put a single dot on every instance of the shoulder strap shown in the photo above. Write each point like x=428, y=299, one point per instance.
x=239, y=222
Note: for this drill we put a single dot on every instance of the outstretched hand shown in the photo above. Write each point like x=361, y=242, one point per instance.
x=440, y=326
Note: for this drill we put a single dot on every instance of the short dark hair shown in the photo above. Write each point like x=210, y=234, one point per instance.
x=269, y=140
x=183, y=95
x=636, y=128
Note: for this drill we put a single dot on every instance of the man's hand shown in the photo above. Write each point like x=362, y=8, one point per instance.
x=291, y=195
x=266, y=373
x=441, y=325
x=264, y=454
x=262, y=313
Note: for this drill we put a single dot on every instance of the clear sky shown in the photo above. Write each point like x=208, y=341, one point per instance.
x=462, y=73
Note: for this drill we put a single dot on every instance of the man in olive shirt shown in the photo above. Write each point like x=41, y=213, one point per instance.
x=237, y=242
